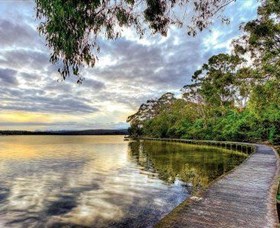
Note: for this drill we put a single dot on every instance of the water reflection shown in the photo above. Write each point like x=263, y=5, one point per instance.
x=99, y=181
x=195, y=165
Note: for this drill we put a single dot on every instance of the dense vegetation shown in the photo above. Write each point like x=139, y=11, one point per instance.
x=233, y=96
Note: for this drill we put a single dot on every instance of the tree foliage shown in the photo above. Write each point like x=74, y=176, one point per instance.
x=72, y=27
x=233, y=96
x=149, y=111
x=216, y=79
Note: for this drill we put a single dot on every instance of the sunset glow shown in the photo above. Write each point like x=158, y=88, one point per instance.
x=129, y=72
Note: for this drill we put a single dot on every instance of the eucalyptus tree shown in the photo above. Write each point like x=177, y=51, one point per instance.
x=261, y=39
x=227, y=78
x=215, y=81
x=150, y=110
x=72, y=27
x=262, y=42
x=233, y=96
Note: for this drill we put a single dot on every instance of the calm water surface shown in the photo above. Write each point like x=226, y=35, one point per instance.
x=100, y=181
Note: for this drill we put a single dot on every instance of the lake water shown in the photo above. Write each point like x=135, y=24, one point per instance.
x=100, y=181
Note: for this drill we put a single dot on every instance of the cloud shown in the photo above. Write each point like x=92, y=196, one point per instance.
x=38, y=101
x=19, y=34
x=22, y=58
x=7, y=77
x=94, y=85
x=129, y=71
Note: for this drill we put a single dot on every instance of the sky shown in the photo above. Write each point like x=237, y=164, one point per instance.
x=129, y=71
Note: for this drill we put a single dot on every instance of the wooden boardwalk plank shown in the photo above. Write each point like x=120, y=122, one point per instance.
x=243, y=198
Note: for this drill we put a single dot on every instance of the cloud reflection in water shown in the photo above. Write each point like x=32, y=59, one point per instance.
x=92, y=181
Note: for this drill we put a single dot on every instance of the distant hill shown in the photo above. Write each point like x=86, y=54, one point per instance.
x=70, y=132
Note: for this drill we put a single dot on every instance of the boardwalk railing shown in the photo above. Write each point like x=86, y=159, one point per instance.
x=247, y=148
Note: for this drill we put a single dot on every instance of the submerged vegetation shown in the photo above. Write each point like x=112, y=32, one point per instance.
x=232, y=97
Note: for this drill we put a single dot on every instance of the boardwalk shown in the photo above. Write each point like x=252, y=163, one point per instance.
x=243, y=198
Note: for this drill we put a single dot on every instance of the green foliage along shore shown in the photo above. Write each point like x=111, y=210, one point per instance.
x=232, y=97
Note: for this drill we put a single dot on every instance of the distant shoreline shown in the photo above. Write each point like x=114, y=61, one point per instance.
x=71, y=132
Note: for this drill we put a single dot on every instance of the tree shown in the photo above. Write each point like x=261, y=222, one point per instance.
x=148, y=111
x=72, y=27
x=262, y=40
x=215, y=82
x=232, y=98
